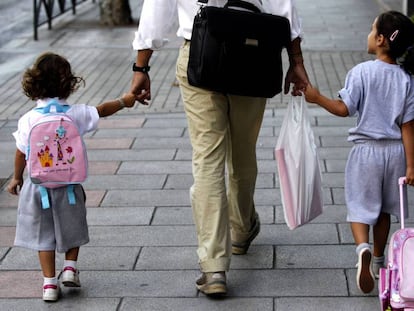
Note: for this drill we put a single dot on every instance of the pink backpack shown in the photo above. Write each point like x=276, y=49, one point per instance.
x=56, y=154
x=396, y=281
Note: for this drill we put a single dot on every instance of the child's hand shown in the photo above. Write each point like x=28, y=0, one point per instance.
x=311, y=94
x=14, y=186
x=409, y=176
x=129, y=99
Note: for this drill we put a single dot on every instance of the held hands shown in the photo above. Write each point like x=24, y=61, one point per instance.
x=311, y=94
x=298, y=76
x=141, y=87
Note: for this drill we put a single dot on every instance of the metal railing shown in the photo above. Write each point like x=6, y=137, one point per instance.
x=50, y=12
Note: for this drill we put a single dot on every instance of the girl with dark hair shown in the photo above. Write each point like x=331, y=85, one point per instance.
x=62, y=227
x=381, y=93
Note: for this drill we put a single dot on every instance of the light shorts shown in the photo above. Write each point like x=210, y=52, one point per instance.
x=60, y=227
x=371, y=180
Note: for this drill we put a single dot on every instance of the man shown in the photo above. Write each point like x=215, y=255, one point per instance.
x=223, y=130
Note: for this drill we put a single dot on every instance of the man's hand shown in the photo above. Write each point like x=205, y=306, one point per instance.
x=141, y=82
x=141, y=87
x=296, y=75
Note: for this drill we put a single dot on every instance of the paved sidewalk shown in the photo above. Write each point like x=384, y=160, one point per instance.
x=142, y=253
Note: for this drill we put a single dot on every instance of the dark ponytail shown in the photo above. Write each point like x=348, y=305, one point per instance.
x=408, y=60
x=398, y=29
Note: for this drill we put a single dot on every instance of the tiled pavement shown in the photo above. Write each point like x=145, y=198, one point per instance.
x=142, y=250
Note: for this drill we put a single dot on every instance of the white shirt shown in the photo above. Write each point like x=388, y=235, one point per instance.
x=86, y=118
x=159, y=19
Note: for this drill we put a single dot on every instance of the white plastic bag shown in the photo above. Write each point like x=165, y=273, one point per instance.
x=298, y=166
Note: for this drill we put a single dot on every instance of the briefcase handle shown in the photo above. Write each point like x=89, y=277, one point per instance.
x=242, y=4
x=236, y=3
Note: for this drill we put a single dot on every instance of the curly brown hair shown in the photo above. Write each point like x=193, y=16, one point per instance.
x=51, y=76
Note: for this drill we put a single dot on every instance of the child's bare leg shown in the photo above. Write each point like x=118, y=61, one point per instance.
x=72, y=254
x=360, y=232
x=381, y=231
x=47, y=263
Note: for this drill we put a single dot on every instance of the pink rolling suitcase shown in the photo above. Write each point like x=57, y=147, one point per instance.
x=396, y=281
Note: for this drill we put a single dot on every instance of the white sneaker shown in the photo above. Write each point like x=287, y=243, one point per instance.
x=50, y=292
x=365, y=276
x=70, y=277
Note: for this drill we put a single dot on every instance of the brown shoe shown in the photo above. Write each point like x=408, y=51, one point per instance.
x=240, y=248
x=212, y=283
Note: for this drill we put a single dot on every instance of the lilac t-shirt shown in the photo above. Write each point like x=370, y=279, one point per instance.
x=382, y=96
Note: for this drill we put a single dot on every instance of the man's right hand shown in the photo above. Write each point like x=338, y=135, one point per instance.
x=141, y=87
x=141, y=82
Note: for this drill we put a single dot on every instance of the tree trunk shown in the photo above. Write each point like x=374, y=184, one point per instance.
x=115, y=12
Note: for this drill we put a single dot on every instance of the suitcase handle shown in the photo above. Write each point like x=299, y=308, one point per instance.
x=401, y=183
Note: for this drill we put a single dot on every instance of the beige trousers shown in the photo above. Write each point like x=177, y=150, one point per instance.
x=223, y=129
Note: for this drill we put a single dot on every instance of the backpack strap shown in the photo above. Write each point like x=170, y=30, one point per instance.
x=53, y=103
x=44, y=196
x=71, y=195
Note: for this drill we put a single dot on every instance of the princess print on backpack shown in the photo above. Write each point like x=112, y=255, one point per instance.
x=51, y=213
x=56, y=153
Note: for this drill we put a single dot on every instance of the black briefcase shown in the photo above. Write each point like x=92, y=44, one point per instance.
x=236, y=51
